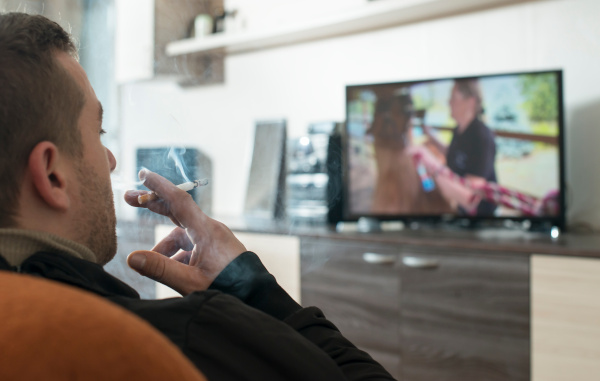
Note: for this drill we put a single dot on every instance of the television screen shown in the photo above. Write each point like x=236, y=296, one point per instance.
x=486, y=147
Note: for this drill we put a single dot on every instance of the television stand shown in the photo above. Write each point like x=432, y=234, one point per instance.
x=368, y=225
x=375, y=225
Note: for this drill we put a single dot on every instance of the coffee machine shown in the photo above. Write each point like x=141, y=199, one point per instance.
x=311, y=174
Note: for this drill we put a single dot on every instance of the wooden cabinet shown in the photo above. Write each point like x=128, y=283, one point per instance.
x=447, y=304
x=424, y=313
x=281, y=256
x=464, y=315
x=358, y=288
x=144, y=28
x=565, y=318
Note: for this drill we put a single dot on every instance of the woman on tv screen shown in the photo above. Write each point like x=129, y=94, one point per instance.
x=472, y=150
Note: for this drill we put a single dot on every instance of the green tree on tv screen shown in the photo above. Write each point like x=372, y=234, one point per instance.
x=540, y=92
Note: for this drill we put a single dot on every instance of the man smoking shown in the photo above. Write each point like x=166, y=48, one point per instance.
x=57, y=221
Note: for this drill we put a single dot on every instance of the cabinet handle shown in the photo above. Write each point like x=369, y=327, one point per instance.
x=420, y=263
x=379, y=259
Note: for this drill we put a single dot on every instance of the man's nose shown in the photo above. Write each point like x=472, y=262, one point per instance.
x=111, y=160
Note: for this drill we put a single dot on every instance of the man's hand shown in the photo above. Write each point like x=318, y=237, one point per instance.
x=195, y=252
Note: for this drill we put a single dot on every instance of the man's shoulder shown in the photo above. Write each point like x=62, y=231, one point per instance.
x=196, y=305
x=4, y=265
x=76, y=272
x=213, y=328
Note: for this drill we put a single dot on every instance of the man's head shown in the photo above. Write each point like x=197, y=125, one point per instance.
x=55, y=171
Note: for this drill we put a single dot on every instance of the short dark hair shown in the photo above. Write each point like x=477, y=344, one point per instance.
x=39, y=99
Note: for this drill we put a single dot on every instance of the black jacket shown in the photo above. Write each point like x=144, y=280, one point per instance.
x=245, y=327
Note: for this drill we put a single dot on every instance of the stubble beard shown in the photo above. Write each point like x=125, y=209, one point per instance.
x=97, y=222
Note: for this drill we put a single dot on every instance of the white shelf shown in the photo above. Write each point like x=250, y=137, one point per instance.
x=370, y=16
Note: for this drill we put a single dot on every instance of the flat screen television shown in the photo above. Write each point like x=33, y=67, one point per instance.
x=481, y=148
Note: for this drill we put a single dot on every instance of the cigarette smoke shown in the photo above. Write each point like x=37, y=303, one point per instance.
x=119, y=183
x=175, y=155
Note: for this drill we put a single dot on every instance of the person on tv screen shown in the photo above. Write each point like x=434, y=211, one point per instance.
x=471, y=153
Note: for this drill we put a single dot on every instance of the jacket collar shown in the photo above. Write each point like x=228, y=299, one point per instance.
x=74, y=271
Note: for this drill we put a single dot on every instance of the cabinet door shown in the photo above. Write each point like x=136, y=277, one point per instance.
x=565, y=311
x=357, y=287
x=281, y=256
x=465, y=316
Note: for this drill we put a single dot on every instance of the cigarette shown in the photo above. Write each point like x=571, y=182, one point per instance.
x=185, y=186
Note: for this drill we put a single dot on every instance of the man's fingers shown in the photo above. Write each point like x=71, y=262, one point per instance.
x=183, y=257
x=159, y=184
x=180, y=277
x=176, y=240
x=156, y=205
x=131, y=197
x=179, y=202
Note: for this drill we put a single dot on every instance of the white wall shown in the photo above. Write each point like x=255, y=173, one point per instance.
x=264, y=14
x=305, y=83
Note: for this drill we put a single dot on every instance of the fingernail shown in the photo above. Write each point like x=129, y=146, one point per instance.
x=142, y=174
x=137, y=261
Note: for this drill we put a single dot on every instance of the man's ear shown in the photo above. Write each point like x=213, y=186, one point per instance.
x=48, y=173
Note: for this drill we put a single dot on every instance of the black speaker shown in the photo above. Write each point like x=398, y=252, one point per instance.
x=178, y=165
x=335, y=183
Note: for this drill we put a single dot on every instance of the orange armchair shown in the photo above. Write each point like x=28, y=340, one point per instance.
x=50, y=331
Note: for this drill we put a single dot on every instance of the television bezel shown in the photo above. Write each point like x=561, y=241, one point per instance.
x=541, y=223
